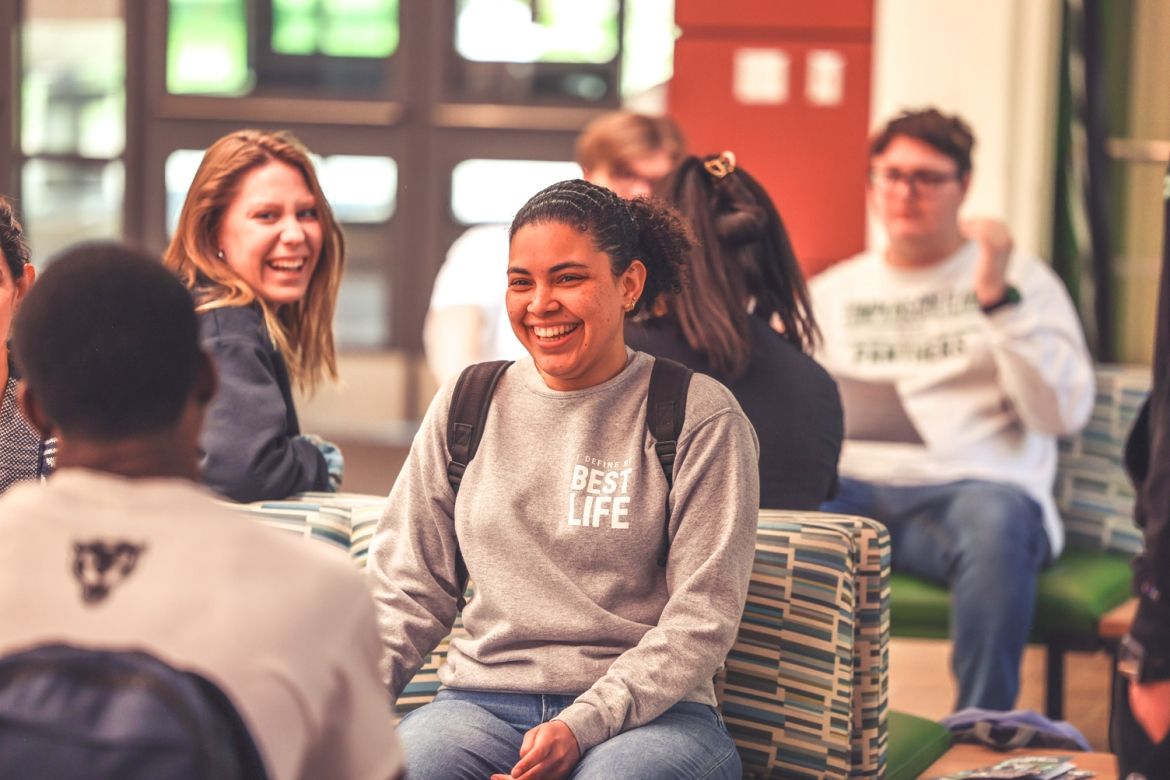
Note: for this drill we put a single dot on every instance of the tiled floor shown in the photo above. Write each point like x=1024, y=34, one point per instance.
x=920, y=683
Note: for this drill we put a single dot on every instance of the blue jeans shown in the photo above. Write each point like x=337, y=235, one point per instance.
x=985, y=541
x=471, y=734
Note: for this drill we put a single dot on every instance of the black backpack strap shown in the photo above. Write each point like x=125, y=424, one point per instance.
x=666, y=408
x=469, y=410
x=465, y=422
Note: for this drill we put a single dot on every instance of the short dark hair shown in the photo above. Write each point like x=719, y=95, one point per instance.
x=948, y=134
x=108, y=342
x=12, y=243
x=626, y=230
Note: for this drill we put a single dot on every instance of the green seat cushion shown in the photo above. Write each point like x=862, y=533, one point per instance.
x=1076, y=592
x=1073, y=594
x=919, y=608
x=915, y=743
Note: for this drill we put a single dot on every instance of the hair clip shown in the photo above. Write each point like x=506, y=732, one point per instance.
x=721, y=165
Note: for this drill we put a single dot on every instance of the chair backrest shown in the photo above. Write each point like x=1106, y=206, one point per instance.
x=68, y=712
x=342, y=520
x=1092, y=490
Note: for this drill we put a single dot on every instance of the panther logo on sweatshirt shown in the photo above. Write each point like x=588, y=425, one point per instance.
x=99, y=565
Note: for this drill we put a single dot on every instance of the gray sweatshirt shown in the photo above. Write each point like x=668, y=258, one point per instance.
x=560, y=520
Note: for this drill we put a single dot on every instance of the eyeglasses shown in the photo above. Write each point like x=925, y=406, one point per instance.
x=923, y=181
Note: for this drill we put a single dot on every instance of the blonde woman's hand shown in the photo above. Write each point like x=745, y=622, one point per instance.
x=334, y=460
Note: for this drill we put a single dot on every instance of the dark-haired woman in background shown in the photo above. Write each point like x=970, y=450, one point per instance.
x=743, y=286
x=23, y=453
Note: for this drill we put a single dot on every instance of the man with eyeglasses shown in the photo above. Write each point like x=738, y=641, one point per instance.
x=960, y=361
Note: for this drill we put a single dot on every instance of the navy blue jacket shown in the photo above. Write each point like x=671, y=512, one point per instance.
x=250, y=449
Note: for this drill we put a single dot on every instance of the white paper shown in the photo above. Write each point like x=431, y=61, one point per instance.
x=761, y=76
x=825, y=77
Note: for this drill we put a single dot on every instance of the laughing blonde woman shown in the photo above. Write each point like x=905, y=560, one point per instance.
x=259, y=248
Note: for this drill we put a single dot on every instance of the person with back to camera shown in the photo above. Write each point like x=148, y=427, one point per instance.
x=605, y=600
x=1140, y=715
x=24, y=452
x=742, y=275
x=467, y=321
x=260, y=249
x=122, y=550
x=959, y=363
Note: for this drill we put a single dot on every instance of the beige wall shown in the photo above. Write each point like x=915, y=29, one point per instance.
x=1137, y=266
x=995, y=63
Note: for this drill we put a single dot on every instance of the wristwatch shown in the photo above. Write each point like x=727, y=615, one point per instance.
x=1011, y=296
x=1136, y=666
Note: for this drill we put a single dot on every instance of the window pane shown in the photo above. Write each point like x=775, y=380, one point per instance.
x=361, y=190
x=67, y=202
x=337, y=28
x=362, y=305
x=648, y=48
x=72, y=88
x=556, y=31
x=234, y=47
x=178, y=173
x=207, y=48
x=494, y=190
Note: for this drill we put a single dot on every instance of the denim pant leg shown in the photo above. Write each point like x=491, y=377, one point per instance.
x=854, y=497
x=467, y=735
x=687, y=742
x=986, y=540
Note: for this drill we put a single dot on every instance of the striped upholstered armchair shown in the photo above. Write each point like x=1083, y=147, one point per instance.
x=804, y=690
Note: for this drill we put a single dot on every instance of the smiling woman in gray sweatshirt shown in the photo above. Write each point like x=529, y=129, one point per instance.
x=583, y=652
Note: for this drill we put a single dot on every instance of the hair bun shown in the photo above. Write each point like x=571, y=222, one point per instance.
x=739, y=219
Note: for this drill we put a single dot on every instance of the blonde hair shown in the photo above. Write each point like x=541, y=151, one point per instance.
x=301, y=331
x=618, y=137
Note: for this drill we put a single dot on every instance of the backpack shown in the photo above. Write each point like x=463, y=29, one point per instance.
x=666, y=403
x=68, y=712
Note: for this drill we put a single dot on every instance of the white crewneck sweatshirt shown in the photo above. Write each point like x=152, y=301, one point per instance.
x=988, y=394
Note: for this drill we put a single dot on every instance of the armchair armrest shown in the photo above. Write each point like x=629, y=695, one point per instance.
x=806, y=683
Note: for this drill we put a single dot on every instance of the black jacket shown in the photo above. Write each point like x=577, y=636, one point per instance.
x=249, y=445
x=1147, y=456
x=791, y=401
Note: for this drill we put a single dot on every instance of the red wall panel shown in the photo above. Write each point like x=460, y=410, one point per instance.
x=811, y=158
x=821, y=15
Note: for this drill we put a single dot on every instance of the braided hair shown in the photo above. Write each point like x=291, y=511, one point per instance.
x=12, y=243
x=625, y=230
